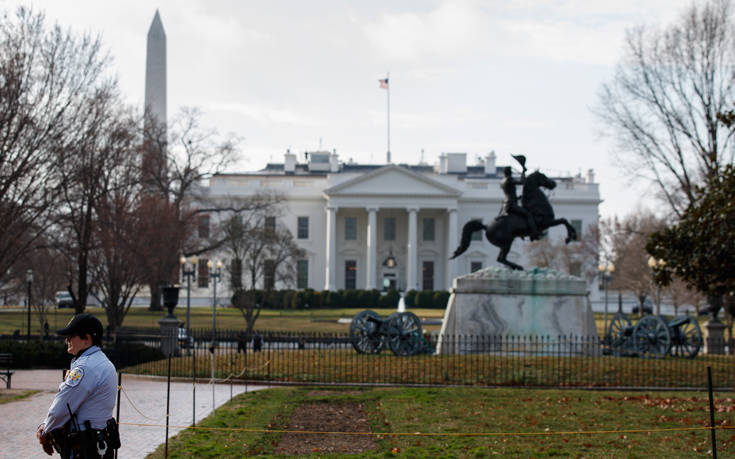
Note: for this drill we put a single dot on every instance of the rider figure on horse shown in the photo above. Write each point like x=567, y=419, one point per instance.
x=510, y=205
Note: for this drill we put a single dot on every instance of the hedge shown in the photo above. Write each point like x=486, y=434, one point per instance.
x=309, y=298
x=52, y=354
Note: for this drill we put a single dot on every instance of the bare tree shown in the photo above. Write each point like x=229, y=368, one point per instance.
x=90, y=162
x=681, y=294
x=627, y=239
x=46, y=77
x=263, y=256
x=578, y=258
x=175, y=165
x=662, y=104
x=117, y=267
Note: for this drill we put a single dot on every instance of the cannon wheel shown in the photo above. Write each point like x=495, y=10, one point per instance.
x=616, y=332
x=651, y=337
x=404, y=333
x=686, y=337
x=364, y=334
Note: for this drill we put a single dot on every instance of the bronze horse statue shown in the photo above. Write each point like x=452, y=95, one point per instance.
x=504, y=229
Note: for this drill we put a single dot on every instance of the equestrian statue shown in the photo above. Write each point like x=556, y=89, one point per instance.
x=529, y=219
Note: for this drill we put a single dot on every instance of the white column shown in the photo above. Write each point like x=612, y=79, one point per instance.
x=331, y=256
x=412, y=280
x=452, y=238
x=371, y=250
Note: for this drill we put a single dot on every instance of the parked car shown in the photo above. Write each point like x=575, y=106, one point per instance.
x=64, y=300
x=186, y=342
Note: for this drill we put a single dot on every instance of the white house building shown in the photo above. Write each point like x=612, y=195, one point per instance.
x=396, y=225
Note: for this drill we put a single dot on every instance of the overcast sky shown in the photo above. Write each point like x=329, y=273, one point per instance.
x=516, y=77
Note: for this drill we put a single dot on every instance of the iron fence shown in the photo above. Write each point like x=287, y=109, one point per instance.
x=562, y=361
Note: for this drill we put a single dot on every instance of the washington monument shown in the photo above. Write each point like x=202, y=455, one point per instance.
x=155, y=75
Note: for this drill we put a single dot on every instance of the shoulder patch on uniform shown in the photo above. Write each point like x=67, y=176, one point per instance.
x=74, y=377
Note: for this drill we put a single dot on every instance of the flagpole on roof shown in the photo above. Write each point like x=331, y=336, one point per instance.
x=385, y=84
x=387, y=92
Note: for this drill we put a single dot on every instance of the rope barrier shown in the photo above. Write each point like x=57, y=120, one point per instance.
x=438, y=434
x=122, y=389
x=244, y=369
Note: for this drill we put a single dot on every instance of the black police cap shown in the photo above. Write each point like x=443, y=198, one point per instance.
x=82, y=324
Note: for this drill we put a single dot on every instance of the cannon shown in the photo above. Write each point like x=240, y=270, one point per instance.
x=654, y=337
x=401, y=331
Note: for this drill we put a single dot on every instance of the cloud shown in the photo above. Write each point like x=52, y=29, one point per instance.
x=438, y=33
x=266, y=114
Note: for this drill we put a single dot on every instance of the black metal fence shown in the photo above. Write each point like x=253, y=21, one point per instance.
x=562, y=361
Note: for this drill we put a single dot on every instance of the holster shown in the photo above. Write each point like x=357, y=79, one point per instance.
x=88, y=443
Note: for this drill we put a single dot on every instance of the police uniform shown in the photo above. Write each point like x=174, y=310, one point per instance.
x=86, y=398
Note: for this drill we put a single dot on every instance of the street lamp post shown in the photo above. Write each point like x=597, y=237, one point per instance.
x=188, y=267
x=215, y=273
x=606, y=271
x=29, y=280
x=655, y=264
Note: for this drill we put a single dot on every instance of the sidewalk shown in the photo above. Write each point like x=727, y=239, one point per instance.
x=19, y=420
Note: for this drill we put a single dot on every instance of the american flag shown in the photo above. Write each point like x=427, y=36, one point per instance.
x=383, y=83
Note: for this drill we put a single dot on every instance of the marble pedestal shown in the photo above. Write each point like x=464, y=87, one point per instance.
x=170, y=335
x=539, y=311
x=714, y=342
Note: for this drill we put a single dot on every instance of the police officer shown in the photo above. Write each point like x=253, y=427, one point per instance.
x=79, y=424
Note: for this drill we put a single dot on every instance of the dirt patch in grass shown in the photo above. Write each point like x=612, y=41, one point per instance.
x=326, y=393
x=327, y=417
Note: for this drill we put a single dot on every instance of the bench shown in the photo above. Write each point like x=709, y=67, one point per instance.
x=6, y=361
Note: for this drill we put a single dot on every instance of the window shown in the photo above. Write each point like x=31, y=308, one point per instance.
x=477, y=235
x=302, y=231
x=203, y=274
x=270, y=224
x=577, y=224
x=204, y=226
x=302, y=274
x=350, y=228
x=575, y=268
x=475, y=266
x=428, y=229
x=389, y=229
x=236, y=273
x=269, y=274
x=428, y=276
x=350, y=274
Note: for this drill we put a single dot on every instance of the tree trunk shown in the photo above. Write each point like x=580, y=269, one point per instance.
x=155, y=304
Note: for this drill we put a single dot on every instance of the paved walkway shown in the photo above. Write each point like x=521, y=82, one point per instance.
x=18, y=420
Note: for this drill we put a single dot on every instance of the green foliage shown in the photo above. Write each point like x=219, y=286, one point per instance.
x=410, y=298
x=389, y=300
x=441, y=298
x=425, y=299
x=37, y=354
x=124, y=354
x=351, y=298
x=700, y=248
x=365, y=299
x=52, y=354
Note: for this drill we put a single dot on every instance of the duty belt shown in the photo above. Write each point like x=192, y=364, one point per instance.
x=87, y=444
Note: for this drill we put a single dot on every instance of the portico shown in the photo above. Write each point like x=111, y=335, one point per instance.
x=408, y=219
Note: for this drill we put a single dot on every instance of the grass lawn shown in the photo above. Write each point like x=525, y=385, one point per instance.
x=466, y=422
x=12, y=395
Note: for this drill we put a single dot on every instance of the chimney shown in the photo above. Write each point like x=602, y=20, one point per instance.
x=490, y=163
x=442, y=166
x=456, y=163
x=590, y=176
x=289, y=162
x=333, y=162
